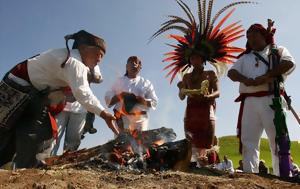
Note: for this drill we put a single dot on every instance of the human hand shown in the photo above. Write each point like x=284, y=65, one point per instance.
x=110, y=121
x=180, y=84
x=249, y=82
x=262, y=80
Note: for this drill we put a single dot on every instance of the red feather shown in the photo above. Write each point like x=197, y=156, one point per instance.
x=226, y=60
x=222, y=22
x=172, y=64
x=230, y=27
x=233, y=35
x=170, y=72
x=179, y=39
x=229, y=56
x=174, y=74
x=232, y=50
x=174, y=46
x=232, y=39
x=233, y=30
x=171, y=58
x=173, y=53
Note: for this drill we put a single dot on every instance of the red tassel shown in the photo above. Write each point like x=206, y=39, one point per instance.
x=53, y=125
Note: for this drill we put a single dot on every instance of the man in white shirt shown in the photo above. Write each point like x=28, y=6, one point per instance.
x=52, y=70
x=256, y=94
x=226, y=165
x=71, y=121
x=132, y=96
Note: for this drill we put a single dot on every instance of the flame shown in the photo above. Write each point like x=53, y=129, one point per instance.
x=159, y=142
x=123, y=112
x=147, y=154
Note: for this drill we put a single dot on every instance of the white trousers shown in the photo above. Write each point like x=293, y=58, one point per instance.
x=257, y=117
x=72, y=124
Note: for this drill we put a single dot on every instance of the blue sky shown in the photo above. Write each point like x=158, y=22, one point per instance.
x=29, y=27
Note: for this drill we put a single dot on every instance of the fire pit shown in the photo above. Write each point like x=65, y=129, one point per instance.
x=134, y=150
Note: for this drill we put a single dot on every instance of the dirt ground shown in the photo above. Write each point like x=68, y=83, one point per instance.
x=74, y=178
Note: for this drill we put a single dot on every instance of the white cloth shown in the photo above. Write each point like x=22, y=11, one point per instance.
x=139, y=87
x=97, y=71
x=45, y=71
x=226, y=166
x=75, y=106
x=257, y=115
x=246, y=65
x=72, y=124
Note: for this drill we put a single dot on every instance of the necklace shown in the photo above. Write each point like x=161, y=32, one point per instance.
x=257, y=62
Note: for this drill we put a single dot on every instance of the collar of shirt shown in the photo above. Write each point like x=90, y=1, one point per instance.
x=131, y=80
x=75, y=54
x=265, y=51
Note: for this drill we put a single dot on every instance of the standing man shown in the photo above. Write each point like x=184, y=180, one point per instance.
x=256, y=94
x=72, y=120
x=25, y=119
x=132, y=96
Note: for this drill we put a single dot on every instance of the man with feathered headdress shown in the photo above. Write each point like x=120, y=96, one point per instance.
x=201, y=43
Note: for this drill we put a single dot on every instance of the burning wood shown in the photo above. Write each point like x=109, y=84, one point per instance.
x=152, y=149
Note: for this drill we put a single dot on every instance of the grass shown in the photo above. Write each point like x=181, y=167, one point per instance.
x=229, y=146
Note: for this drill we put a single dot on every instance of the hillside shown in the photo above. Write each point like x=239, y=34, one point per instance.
x=229, y=146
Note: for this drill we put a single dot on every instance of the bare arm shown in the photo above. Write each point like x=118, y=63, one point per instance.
x=235, y=76
x=280, y=69
x=115, y=99
x=181, y=85
x=216, y=89
x=144, y=102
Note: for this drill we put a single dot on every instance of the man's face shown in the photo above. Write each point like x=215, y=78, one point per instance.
x=91, y=56
x=133, y=67
x=196, y=60
x=256, y=40
x=225, y=158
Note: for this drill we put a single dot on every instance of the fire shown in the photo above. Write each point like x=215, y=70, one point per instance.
x=136, y=150
x=147, y=154
x=123, y=111
x=159, y=142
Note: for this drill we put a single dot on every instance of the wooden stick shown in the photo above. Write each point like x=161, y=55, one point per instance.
x=295, y=114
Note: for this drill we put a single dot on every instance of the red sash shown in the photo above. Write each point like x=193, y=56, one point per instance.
x=21, y=71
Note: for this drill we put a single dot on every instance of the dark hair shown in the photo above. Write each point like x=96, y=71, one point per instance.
x=133, y=59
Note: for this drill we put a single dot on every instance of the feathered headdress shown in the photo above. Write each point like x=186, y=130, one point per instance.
x=204, y=38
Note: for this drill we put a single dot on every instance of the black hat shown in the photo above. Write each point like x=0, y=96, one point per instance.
x=84, y=38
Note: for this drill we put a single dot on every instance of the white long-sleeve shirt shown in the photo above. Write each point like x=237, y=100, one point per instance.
x=45, y=71
x=226, y=166
x=138, y=86
x=75, y=106
x=250, y=66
